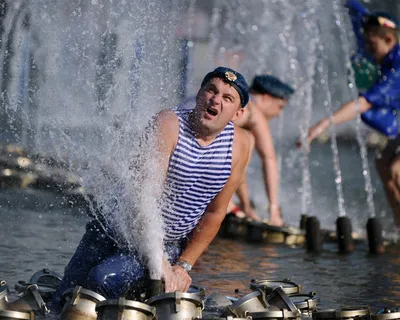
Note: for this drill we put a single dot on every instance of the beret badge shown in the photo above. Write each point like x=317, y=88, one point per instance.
x=230, y=76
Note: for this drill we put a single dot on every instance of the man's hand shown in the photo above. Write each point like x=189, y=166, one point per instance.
x=315, y=131
x=183, y=278
x=176, y=278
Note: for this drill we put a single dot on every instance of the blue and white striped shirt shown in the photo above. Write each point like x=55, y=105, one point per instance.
x=195, y=176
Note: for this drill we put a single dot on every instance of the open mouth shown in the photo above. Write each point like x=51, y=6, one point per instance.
x=212, y=111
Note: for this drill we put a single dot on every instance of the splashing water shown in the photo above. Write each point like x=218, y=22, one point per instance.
x=338, y=13
x=306, y=99
x=96, y=73
x=258, y=35
x=334, y=148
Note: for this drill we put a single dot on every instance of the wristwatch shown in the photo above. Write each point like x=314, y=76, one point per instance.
x=184, y=264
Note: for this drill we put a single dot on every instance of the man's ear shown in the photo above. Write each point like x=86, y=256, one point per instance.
x=390, y=39
x=238, y=114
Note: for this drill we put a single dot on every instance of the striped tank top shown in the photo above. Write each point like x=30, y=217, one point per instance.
x=195, y=176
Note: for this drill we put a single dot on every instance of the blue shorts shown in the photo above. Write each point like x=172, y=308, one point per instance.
x=101, y=266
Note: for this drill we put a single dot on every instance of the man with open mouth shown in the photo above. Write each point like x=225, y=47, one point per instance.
x=202, y=156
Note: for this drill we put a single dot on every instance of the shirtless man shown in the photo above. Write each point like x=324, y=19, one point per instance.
x=269, y=96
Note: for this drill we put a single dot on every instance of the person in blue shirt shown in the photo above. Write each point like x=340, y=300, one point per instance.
x=377, y=36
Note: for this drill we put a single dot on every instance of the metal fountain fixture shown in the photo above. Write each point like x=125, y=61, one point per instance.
x=270, y=300
x=252, y=302
x=80, y=304
x=281, y=314
x=352, y=312
x=258, y=305
x=197, y=290
x=278, y=300
x=124, y=309
x=387, y=314
x=29, y=300
x=177, y=306
x=11, y=315
x=305, y=302
x=268, y=285
x=3, y=295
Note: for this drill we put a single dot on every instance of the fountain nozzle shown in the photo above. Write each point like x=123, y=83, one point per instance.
x=156, y=287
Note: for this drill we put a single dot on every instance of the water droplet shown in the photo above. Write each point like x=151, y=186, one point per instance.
x=254, y=28
x=338, y=180
x=351, y=86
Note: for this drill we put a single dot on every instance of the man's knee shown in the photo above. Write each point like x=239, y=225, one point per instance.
x=115, y=276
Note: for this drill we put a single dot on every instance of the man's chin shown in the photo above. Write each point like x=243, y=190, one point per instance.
x=208, y=124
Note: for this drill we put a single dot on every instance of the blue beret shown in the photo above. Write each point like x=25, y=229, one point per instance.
x=234, y=78
x=271, y=85
x=375, y=18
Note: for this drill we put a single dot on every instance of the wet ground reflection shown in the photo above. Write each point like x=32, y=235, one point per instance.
x=356, y=279
x=37, y=233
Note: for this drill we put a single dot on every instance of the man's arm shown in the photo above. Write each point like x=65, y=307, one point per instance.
x=243, y=191
x=210, y=222
x=265, y=148
x=346, y=112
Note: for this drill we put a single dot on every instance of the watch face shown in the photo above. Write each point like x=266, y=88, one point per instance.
x=187, y=266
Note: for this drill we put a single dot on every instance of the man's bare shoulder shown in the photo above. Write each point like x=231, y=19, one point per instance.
x=167, y=118
x=167, y=126
x=241, y=143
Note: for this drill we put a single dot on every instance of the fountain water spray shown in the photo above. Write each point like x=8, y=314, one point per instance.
x=93, y=74
x=334, y=148
x=307, y=99
x=338, y=12
x=343, y=223
x=373, y=226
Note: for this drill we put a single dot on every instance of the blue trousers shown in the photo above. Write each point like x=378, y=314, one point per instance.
x=101, y=266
